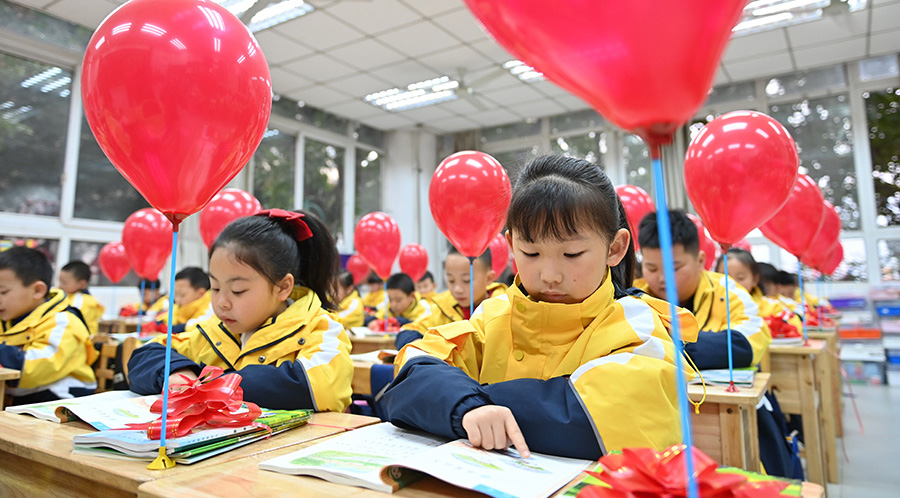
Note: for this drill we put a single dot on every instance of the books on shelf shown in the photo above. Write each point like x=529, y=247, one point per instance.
x=720, y=377
x=103, y=411
x=385, y=458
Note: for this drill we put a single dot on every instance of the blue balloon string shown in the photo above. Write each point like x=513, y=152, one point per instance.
x=165, y=410
x=471, y=286
x=665, y=242
x=802, y=298
x=141, y=307
x=728, y=321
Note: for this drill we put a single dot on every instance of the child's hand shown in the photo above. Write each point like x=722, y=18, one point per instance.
x=493, y=427
x=177, y=379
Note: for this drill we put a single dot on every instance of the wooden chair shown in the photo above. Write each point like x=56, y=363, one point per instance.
x=102, y=369
x=128, y=347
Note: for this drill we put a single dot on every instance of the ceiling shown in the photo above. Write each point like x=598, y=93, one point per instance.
x=346, y=49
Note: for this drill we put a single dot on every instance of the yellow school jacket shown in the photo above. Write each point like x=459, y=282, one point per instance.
x=90, y=308
x=194, y=312
x=445, y=309
x=297, y=359
x=769, y=307
x=374, y=299
x=52, y=349
x=419, y=309
x=811, y=300
x=352, y=313
x=603, y=368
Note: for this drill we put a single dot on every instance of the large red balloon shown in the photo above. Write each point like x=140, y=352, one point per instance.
x=414, y=261
x=637, y=204
x=377, y=238
x=469, y=196
x=114, y=262
x=833, y=260
x=825, y=239
x=227, y=206
x=178, y=94
x=499, y=254
x=358, y=267
x=742, y=244
x=796, y=224
x=738, y=172
x=646, y=65
x=147, y=237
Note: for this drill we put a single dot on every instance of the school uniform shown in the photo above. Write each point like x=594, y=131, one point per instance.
x=429, y=295
x=91, y=309
x=750, y=337
x=581, y=379
x=352, y=312
x=51, y=347
x=782, y=322
x=297, y=359
x=417, y=310
x=184, y=317
x=444, y=309
x=811, y=300
x=374, y=299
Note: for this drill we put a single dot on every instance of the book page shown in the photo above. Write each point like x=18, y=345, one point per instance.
x=743, y=376
x=114, y=413
x=48, y=410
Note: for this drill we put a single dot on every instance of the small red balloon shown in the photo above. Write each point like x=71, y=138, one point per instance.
x=833, y=260
x=637, y=204
x=738, y=172
x=377, y=238
x=178, y=95
x=147, y=237
x=742, y=244
x=358, y=267
x=499, y=254
x=227, y=206
x=414, y=261
x=114, y=262
x=707, y=244
x=825, y=239
x=795, y=225
x=469, y=186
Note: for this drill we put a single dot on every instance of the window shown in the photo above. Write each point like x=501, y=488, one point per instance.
x=89, y=252
x=636, y=156
x=368, y=182
x=273, y=170
x=47, y=246
x=587, y=118
x=852, y=268
x=591, y=146
x=889, y=259
x=509, y=131
x=323, y=185
x=883, y=116
x=515, y=160
x=34, y=109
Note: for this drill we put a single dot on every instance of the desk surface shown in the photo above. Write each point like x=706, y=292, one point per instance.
x=745, y=395
x=50, y=444
x=814, y=347
x=9, y=374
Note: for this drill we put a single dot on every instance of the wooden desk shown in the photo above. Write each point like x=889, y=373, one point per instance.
x=371, y=343
x=5, y=375
x=830, y=388
x=362, y=377
x=36, y=457
x=118, y=325
x=794, y=381
x=725, y=429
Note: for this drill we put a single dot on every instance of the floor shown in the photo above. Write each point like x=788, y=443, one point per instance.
x=871, y=468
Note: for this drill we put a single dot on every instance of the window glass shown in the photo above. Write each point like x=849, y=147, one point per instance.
x=89, y=252
x=636, y=156
x=368, y=182
x=47, y=246
x=323, y=184
x=273, y=170
x=883, y=116
x=591, y=146
x=515, y=160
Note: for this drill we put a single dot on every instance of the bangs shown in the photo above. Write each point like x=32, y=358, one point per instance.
x=556, y=208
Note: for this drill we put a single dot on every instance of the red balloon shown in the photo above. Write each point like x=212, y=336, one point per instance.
x=738, y=172
x=637, y=204
x=414, y=261
x=707, y=244
x=114, y=262
x=646, y=65
x=178, y=94
x=147, y=237
x=358, y=267
x=796, y=224
x=227, y=206
x=377, y=238
x=826, y=238
x=499, y=254
x=742, y=244
x=833, y=260
x=469, y=186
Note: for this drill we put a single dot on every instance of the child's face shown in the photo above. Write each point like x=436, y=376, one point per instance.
x=688, y=269
x=741, y=274
x=425, y=286
x=241, y=296
x=457, y=272
x=69, y=283
x=16, y=298
x=399, y=300
x=150, y=295
x=185, y=294
x=566, y=271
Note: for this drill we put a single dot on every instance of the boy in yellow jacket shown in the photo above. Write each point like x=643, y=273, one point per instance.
x=192, y=300
x=351, y=312
x=375, y=295
x=74, y=279
x=41, y=335
x=404, y=303
x=426, y=286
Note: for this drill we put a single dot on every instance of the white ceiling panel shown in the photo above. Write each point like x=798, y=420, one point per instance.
x=462, y=106
x=886, y=17
x=320, y=68
x=452, y=125
x=496, y=117
x=367, y=54
x=373, y=16
x=462, y=25
x=431, y=8
x=513, y=95
x=389, y=121
x=493, y=51
x=356, y=109
x=279, y=48
x=284, y=80
x=830, y=53
x=749, y=68
x=721, y=76
x=88, y=14
x=452, y=60
x=754, y=45
x=418, y=39
x=358, y=85
x=427, y=113
x=887, y=42
x=572, y=103
x=318, y=30
x=537, y=108
x=828, y=29
x=319, y=96
x=404, y=73
x=40, y=4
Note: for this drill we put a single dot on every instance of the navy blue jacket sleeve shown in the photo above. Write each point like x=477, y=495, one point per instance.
x=405, y=337
x=285, y=387
x=146, y=368
x=433, y=396
x=550, y=415
x=12, y=357
x=711, y=350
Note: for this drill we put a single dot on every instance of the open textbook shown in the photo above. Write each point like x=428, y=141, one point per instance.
x=720, y=377
x=103, y=411
x=385, y=458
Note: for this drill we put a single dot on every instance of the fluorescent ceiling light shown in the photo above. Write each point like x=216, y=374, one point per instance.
x=418, y=94
x=236, y=7
x=763, y=15
x=521, y=71
x=43, y=75
x=272, y=14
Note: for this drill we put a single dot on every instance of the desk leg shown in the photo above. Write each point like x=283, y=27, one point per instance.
x=809, y=412
x=752, y=439
x=2, y=394
x=829, y=414
x=734, y=436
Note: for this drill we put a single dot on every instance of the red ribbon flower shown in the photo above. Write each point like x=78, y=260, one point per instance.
x=780, y=327
x=644, y=473
x=213, y=400
x=294, y=220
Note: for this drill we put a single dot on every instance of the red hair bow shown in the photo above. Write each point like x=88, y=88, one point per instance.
x=294, y=220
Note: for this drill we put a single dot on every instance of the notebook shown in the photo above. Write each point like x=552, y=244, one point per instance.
x=742, y=377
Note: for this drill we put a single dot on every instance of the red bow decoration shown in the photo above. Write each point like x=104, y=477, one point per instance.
x=780, y=327
x=377, y=325
x=213, y=400
x=294, y=220
x=812, y=317
x=645, y=473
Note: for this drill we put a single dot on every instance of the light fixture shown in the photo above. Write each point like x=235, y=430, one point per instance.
x=523, y=72
x=418, y=94
x=236, y=7
x=43, y=75
x=277, y=13
x=763, y=15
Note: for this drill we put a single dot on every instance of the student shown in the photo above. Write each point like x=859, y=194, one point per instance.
x=74, y=279
x=565, y=362
x=426, y=287
x=193, y=303
x=272, y=275
x=703, y=293
x=375, y=296
x=351, y=312
x=153, y=301
x=404, y=303
x=43, y=337
x=453, y=304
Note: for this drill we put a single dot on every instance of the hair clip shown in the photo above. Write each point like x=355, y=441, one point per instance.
x=294, y=220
